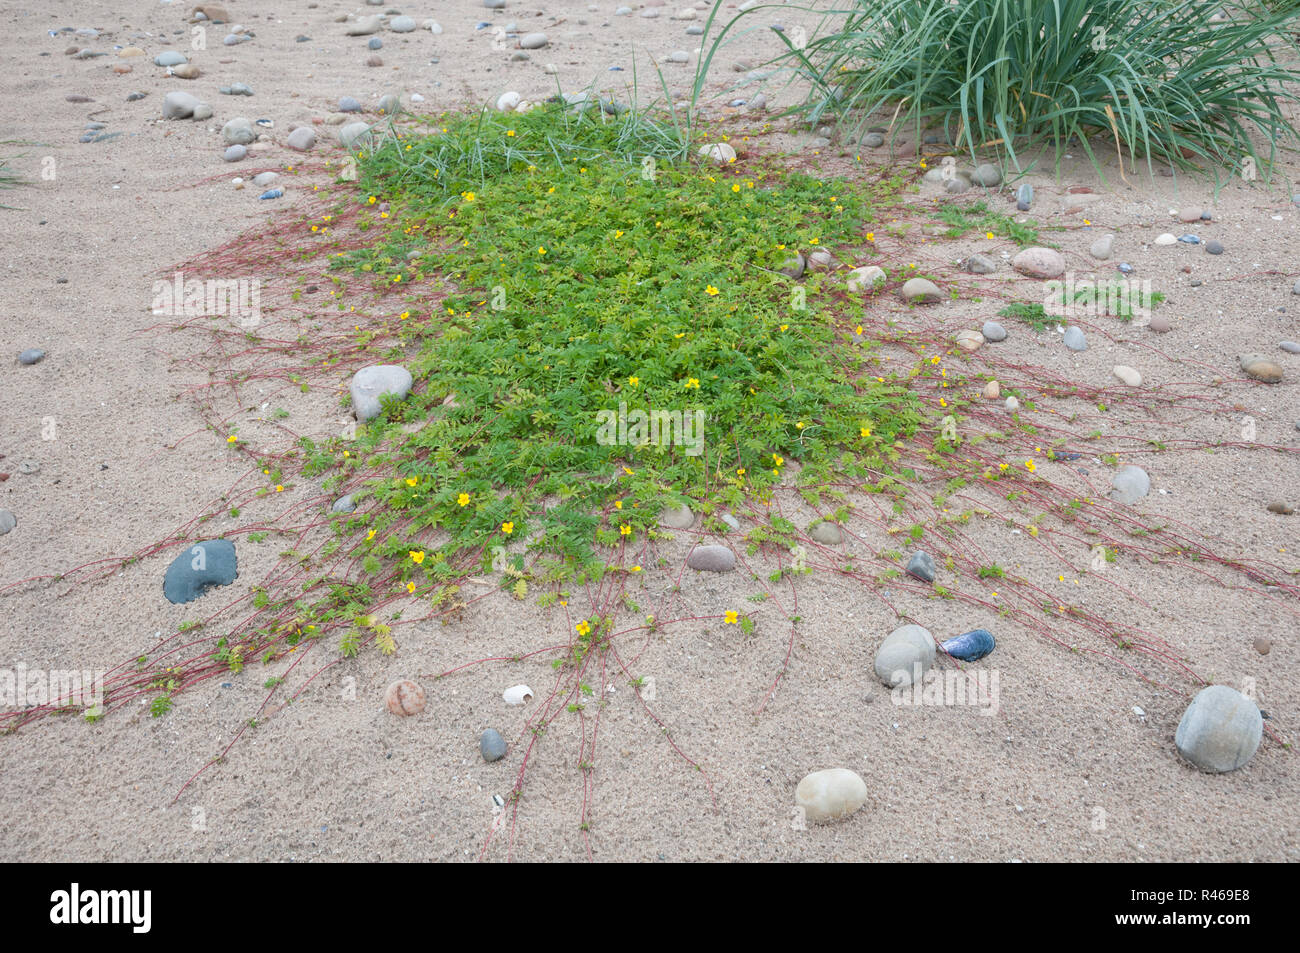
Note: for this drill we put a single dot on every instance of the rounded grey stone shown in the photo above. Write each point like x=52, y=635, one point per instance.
x=987, y=175
x=533, y=41
x=390, y=104
x=1074, y=339
x=731, y=521
x=1101, y=248
x=873, y=140
x=301, y=139
x=678, y=517
x=378, y=380
x=906, y=653
x=1291, y=347
x=1214, y=247
x=827, y=533
x=993, y=331
x=169, y=58
x=178, y=105
x=349, y=104
x=238, y=132
x=1131, y=484
x=7, y=521
x=31, y=355
x=491, y=745
x=354, y=135
x=711, y=559
x=344, y=504
x=1220, y=730
x=402, y=24
x=981, y=265
x=920, y=291
x=236, y=153
x=375, y=43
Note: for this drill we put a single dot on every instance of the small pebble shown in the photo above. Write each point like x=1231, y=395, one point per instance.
x=1214, y=247
x=31, y=355
x=491, y=745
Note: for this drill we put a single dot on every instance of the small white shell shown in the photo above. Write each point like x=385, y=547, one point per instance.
x=508, y=101
x=517, y=694
x=237, y=182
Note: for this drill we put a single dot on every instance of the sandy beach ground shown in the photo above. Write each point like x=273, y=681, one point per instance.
x=1066, y=769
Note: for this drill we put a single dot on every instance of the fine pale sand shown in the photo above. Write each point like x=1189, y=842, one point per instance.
x=1065, y=769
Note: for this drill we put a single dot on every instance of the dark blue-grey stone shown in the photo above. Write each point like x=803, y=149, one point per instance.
x=492, y=746
x=1125, y=267
x=31, y=355
x=1214, y=247
x=1206, y=216
x=1190, y=239
x=7, y=521
x=348, y=104
x=970, y=646
x=344, y=504
x=921, y=565
x=202, y=566
x=1024, y=197
x=375, y=43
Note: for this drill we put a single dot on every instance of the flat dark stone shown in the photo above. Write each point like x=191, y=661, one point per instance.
x=200, y=567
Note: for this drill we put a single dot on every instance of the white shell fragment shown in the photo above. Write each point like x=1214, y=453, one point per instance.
x=517, y=694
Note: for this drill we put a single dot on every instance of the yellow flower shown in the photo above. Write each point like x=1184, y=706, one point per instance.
x=736, y=187
x=370, y=535
x=634, y=380
x=417, y=555
x=468, y=196
x=988, y=235
x=463, y=499
x=800, y=425
x=1033, y=531
x=777, y=460
x=731, y=618
x=510, y=133
x=785, y=327
x=710, y=290
x=618, y=234
x=404, y=315
x=679, y=335
x=871, y=236
x=1003, y=467
x=693, y=382
x=278, y=488
x=942, y=402
x=507, y=528
x=865, y=431
x=411, y=481
x=625, y=530
x=635, y=569
x=740, y=472
x=583, y=627
x=231, y=439
x=858, y=329
x=410, y=587
x=1029, y=465
x=372, y=200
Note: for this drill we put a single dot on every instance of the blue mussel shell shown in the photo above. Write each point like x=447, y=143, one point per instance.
x=970, y=646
